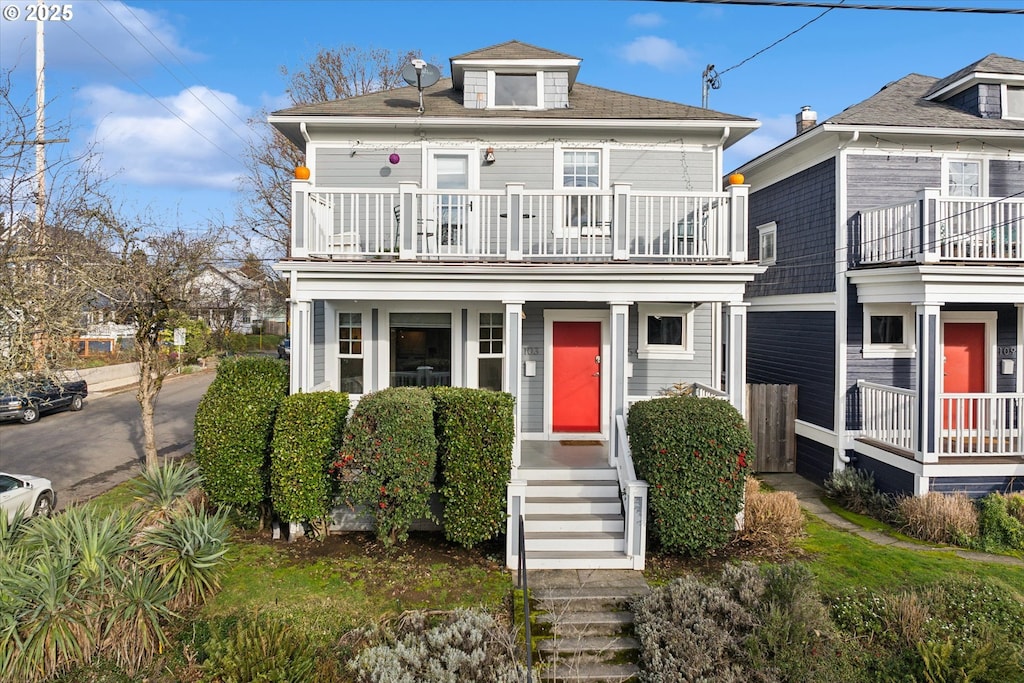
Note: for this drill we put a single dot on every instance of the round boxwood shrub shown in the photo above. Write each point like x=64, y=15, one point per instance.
x=475, y=433
x=307, y=436
x=233, y=428
x=387, y=459
x=693, y=452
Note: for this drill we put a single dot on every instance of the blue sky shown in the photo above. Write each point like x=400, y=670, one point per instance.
x=163, y=88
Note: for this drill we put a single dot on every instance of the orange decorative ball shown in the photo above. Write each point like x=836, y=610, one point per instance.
x=301, y=173
x=736, y=179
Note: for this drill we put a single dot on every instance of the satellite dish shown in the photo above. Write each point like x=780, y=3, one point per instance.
x=422, y=75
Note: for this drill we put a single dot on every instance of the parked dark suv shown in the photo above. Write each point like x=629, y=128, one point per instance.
x=26, y=398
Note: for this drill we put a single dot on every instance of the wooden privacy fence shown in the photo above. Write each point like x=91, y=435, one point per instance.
x=771, y=414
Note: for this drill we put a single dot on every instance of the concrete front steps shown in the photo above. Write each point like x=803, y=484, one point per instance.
x=584, y=624
x=574, y=519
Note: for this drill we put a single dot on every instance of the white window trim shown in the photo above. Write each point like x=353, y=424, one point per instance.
x=905, y=350
x=562, y=229
x=652, y=351
x=1005, y=100
x=473, y=354
x=982, y=174
x=763, y=232
x=491, y=86
x=364, y=324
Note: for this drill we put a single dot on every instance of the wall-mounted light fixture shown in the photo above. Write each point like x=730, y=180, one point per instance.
x=489, y=155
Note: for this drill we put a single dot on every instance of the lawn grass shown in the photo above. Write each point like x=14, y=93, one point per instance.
x=841, y=561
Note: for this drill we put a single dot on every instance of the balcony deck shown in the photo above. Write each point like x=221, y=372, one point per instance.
x=408, y=223
x=937, y=229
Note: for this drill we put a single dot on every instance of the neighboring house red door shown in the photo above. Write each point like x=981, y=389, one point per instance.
x=963, y=371
x=576, y=377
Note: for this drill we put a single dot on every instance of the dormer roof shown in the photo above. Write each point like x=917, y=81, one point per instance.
x=513, y=54
x=990, y=69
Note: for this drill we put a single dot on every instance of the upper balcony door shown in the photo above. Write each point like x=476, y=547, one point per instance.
x=451, y=218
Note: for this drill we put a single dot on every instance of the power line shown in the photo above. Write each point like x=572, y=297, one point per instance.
x=841, y=5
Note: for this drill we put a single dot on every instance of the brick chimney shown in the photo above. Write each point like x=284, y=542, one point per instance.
x=806, y=119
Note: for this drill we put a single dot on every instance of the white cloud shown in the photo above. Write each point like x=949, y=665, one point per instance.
x=191, y=139
x=646, y=20
x=99, y=38
x=658, y=52
x=773, y=132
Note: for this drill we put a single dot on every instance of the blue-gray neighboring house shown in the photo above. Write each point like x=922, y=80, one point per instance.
x=893, y=236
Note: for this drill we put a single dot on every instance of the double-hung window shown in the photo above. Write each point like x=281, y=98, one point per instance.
x=584, y=207
x=492, y=350
x=350, y=352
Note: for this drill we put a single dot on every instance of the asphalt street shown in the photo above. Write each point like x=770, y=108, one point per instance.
x=88, y=452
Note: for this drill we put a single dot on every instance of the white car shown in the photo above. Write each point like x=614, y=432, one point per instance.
x=32, y=495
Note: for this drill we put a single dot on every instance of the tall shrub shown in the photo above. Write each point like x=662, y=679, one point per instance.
x=475, y=433
x=307, y=436
x=388, y=457
x=233, y=429
x=693, y=452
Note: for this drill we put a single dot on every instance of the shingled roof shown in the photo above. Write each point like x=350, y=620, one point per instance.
x=444, y=101
x=903, y=103
x=990, y=64
x=512, y=49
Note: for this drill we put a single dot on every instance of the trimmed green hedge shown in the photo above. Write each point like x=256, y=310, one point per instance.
x=233, y=428
x=388, y=457
x=693, y=452
x=307, y=435
x=475, y=433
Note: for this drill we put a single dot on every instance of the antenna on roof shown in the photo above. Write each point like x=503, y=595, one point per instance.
x=422, y=75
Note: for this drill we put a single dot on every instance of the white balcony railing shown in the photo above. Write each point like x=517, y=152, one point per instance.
x=934, y=228
x=515, y=224
x=967, y=424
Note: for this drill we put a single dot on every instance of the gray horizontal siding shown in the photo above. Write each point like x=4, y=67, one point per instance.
x=652, y=375
x=1005, y=177
x=531, y=401
x=796, y=348
x=803, y=207
x=531, y=167
x=663, y=170
x=366, y=168
x=319, y=341
x=874, y=181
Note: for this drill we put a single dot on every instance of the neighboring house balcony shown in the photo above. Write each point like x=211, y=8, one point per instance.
x=960, y=430
x=935, y=229
x=515, y=224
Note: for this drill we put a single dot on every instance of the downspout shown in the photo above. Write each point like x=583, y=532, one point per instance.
x=842, y=304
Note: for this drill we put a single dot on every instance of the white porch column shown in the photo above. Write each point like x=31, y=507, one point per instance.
x=407, y=220
x=738, y=221
x=620, y=221
x=736, y=354
x=929, y=373
x=618, y=368
x=302, y=350
x=514, y=368
x=928, y=238
x=514, y=220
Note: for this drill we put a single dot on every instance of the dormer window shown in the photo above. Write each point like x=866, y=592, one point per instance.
x=1013, y=102
x=515, y=90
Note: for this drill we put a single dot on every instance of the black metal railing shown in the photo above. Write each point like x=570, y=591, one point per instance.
x=522, y=583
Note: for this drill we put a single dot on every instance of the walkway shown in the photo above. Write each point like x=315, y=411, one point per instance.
x=810, y=496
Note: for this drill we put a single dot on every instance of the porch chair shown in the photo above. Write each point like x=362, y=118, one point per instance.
x=427, y=237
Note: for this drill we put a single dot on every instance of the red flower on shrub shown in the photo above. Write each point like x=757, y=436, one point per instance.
x=383, y=505
x=743, y=459
x=663, y=451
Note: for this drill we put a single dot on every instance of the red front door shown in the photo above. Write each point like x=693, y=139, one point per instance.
x=576, y=377
x=963, y=371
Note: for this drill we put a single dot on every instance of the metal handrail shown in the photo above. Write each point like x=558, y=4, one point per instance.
x=522, y=583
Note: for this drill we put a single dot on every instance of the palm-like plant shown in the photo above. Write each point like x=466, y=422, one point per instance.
x=132, y=631
x=188, y=552
x=163, y=488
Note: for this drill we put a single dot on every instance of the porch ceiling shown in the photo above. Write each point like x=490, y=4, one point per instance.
x=489, y=282
x=940, y=284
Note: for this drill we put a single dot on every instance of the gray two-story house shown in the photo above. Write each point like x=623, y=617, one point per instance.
x=511, y=228
x=893, y=240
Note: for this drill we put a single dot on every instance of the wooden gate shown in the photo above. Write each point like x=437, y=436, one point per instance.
x=772, y=418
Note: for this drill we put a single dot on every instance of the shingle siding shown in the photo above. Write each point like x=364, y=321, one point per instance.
x=796, y=348
x=556, y=90
x=803, y=207
x=474, y=90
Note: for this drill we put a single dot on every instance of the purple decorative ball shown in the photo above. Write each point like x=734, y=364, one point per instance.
x=394, y=158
